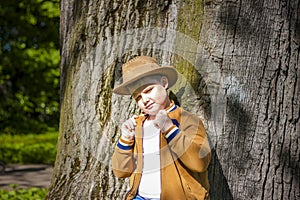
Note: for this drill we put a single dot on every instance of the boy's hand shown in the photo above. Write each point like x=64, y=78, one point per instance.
x=128, y=128
x=162, y=121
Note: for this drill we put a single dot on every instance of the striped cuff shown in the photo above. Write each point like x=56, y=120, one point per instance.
x=171, y=133
x=125, y=144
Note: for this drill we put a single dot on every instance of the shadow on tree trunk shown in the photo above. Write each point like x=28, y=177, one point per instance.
x=218, y=183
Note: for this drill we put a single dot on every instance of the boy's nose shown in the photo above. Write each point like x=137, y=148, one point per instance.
x=145, y=98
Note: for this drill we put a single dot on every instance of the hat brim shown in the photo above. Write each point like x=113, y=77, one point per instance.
x=168, y=71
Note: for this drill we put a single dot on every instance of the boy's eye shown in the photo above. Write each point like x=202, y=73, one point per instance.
x=138, y=98
x=145, y=91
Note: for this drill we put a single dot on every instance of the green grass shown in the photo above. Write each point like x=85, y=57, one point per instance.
x=15, y=193
x=29, y=149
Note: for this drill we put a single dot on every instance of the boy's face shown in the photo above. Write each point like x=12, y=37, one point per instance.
x=152, y=97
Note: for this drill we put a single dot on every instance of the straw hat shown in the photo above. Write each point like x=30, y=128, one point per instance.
x=141, y=67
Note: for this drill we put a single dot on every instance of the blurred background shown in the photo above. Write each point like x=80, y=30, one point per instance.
x=29, y=88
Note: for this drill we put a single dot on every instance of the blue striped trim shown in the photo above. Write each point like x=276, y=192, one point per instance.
x=174, y=107
x=175, y=122
x=123, y=147
x=172, y=135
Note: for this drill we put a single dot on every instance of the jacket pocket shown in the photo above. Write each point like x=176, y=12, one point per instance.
x=193, y=189
x=196, y=193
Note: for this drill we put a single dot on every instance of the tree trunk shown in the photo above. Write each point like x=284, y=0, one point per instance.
x=256, y=44
x=239, y=72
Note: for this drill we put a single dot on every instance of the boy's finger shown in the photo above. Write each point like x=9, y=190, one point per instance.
x=133, y=119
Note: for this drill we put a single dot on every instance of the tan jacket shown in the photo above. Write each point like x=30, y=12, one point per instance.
x=185, y=156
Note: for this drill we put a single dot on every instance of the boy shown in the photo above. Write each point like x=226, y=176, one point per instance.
x=164, y=150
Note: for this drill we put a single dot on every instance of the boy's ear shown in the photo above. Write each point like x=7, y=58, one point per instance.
x=165, y=82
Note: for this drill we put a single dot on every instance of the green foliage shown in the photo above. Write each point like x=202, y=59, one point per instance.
x=29, y=65
x=29, y=149
x=16, y=193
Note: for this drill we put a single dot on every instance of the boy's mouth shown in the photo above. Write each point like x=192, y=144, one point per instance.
x=149, y=106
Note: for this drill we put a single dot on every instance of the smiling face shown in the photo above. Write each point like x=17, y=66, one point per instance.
x=152, y=97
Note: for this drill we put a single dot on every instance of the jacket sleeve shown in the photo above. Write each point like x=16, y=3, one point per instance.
x=188, y=142
x=123, y=159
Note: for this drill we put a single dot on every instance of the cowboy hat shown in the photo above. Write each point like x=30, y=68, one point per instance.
x=141, y=67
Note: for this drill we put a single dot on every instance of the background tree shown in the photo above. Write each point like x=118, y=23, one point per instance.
x=239, y=65
x=29, y=65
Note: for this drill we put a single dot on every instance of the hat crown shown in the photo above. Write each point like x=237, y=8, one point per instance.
x=140, y=60
x=137, y=66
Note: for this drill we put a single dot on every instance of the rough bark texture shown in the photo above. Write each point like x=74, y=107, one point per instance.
x=256, y=44
x=239, y=65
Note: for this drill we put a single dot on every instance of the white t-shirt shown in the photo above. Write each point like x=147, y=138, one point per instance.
x=150, y=185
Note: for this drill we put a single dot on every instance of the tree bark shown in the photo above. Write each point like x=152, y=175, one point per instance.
x=239, y=72
x=256, y=44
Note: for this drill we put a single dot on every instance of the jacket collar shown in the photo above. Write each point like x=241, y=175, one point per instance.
x=171, y=107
